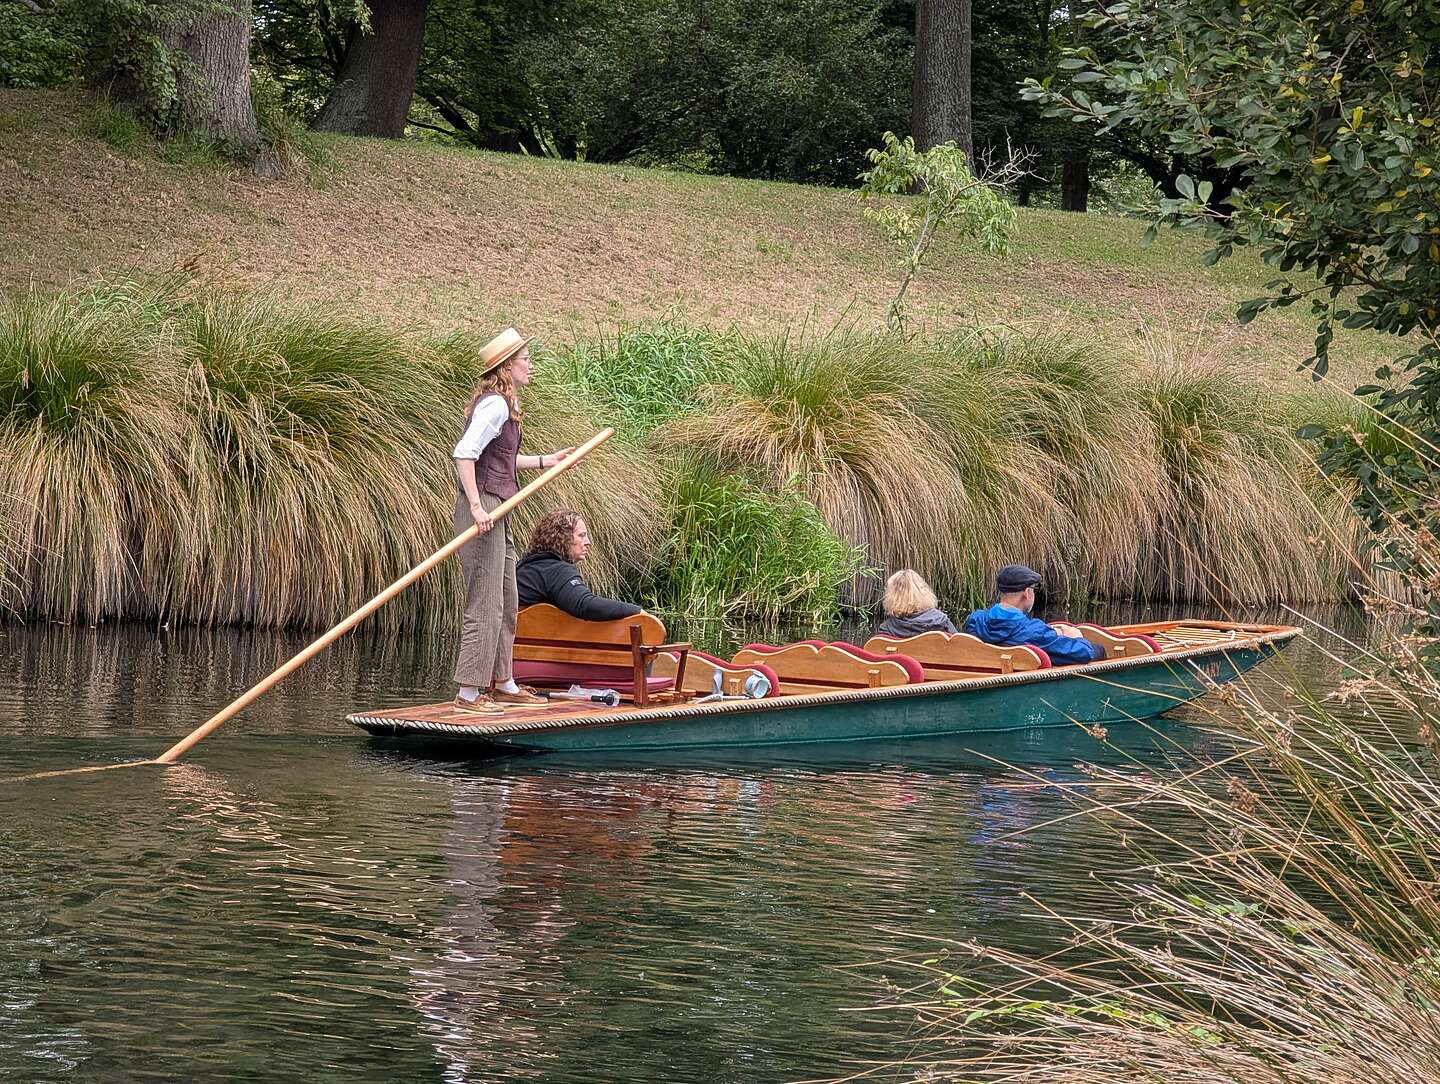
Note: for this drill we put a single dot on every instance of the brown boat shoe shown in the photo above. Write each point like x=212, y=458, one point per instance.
x=526, y=696
x=483, y=704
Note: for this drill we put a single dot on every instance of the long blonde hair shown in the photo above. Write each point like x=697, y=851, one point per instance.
x=906, y=593
x=497, y=382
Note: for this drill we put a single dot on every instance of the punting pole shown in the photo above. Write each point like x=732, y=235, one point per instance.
x=256, y=691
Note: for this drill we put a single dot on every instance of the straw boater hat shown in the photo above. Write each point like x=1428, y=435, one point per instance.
x=500, y=349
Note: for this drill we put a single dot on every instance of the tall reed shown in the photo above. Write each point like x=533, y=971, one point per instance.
x=1281, y=922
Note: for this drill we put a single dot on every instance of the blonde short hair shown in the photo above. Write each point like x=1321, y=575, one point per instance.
x=906, y=593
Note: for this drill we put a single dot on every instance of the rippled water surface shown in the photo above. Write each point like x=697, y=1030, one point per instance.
x=292, y=902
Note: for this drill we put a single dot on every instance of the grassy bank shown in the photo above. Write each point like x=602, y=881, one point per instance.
x=446, y=238
x=179, y=454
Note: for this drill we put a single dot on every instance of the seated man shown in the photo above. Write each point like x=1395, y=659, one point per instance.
x=547, y=572
x=1008, y=622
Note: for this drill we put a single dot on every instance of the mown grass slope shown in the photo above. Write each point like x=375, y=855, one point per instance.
x=419, y=234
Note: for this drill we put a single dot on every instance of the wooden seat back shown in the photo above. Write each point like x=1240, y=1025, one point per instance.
x=700, y=673
x=809, y=667
x=544, y=633
x=1117, y=645
x=551, y=638
x=950, y=656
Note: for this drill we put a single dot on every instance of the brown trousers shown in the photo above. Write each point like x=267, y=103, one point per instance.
x=487, y=631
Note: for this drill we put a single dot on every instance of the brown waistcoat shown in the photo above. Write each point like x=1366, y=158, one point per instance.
x=495, y=469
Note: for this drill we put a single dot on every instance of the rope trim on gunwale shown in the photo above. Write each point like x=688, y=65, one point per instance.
x=1099, y=670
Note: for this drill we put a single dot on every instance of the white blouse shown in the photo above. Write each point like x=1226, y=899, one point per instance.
x=489, y=418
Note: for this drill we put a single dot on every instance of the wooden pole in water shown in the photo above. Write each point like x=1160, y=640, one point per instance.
x=255, y=692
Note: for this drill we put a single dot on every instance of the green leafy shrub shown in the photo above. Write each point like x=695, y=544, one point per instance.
x=646, y=375
x=737, y=550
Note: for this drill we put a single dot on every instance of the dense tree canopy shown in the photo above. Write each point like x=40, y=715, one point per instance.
x=786, y=89
x=1327, y=111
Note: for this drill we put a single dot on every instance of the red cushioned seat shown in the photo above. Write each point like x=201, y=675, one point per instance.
x=561, y=675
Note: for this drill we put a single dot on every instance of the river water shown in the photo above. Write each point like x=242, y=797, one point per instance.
x=294, y=903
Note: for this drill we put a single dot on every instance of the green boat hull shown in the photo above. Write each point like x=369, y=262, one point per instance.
x=1101, y=694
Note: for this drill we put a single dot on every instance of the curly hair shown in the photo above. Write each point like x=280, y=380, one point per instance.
x=554, y=532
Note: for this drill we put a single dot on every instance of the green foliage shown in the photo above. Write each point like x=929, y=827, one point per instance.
x=36, y=51
x=948, y=196
x=643, y=376
x=739, y=550
x=1326, y=109
x=793, y=90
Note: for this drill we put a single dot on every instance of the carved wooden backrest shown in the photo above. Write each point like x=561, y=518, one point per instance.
x=700, y=673
x=1117, y=646
x=808, y=668
x=945, y=655
x=544, y=633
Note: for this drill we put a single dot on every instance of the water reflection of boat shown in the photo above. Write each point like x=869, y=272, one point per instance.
x=1189, y=659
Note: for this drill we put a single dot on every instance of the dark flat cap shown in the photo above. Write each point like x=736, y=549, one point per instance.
x=1013, y=578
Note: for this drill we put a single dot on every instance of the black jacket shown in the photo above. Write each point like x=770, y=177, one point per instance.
x=544, y=577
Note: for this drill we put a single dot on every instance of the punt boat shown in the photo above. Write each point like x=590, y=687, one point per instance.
x=1185, y=660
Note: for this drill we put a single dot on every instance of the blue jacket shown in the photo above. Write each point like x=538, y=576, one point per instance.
x=1007, y=626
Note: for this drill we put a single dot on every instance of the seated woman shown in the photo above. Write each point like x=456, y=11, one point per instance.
x=547, y=572
x=910, y=607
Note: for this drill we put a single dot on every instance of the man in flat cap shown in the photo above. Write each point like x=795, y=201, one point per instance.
x=1008, y=622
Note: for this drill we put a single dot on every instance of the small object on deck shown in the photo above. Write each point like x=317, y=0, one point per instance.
x=609, y=697
x=757, y=687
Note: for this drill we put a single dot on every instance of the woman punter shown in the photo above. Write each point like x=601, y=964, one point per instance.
x=485, y=464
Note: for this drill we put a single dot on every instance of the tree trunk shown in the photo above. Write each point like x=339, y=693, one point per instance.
x=211, y=94
x=377, y=80
x=1075, y=183
x=940, y=95
x=213, y=91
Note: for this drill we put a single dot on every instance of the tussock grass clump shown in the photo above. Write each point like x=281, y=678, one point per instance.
x=197, y=457
x=737, y=550
x=845, y=421
x=1074, y=421
x=306, y=456
x=89, y=457
x=1244, y=514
